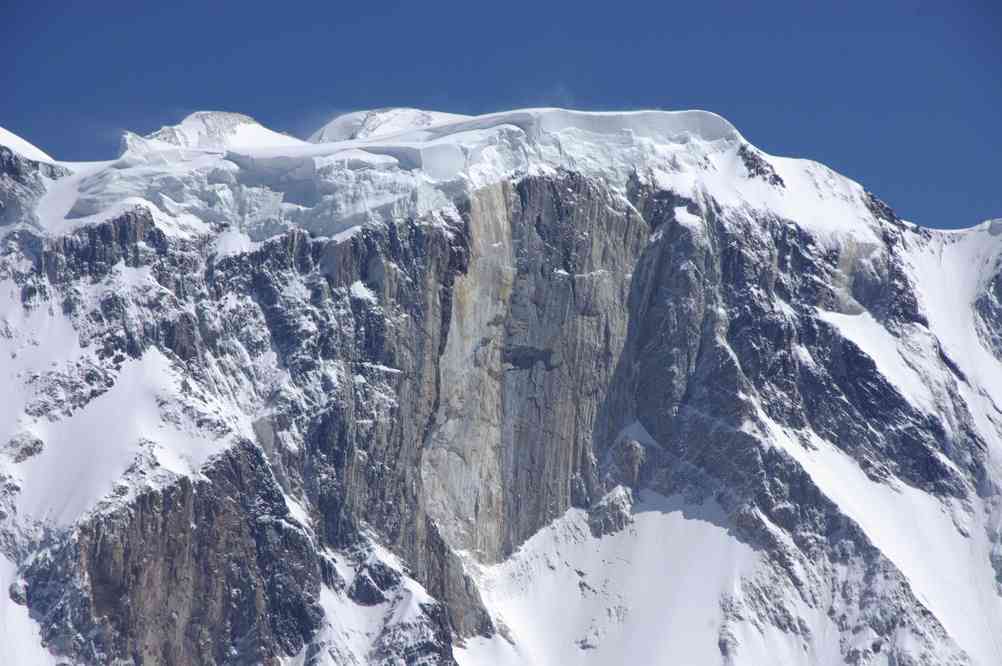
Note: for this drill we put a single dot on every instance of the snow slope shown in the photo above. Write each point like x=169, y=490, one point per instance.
x=19, y=145
x=566, y=597
x=950, y=271
x=350, y=631
x=86, y=454
x=886, y=351
x=21, y=642
x=88, y=450
x=649, y=593
x=941, y=547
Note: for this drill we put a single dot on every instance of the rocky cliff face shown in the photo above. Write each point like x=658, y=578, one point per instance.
x=520, y=388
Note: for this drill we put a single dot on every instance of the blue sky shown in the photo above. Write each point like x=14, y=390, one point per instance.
x=905, y=97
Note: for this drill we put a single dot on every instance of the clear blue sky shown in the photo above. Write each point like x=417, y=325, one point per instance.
x=905, y=97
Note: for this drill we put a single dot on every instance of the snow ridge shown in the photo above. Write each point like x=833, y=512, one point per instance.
x=19, y=145
x=405, y=162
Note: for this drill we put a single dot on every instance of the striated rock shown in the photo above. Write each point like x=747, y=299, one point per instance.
x=358, y=407
x=210, y=571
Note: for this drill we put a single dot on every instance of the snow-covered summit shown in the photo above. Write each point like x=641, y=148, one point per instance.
x=409, y=162
x=375, y=165
x=25, y=148
x=218, y=130
x=380, y=122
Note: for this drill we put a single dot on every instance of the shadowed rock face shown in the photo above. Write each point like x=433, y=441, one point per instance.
x=448, y=385
x=21, y=185
x=205, y=571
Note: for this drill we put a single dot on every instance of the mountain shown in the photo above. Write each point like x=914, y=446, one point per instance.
x=533, y=387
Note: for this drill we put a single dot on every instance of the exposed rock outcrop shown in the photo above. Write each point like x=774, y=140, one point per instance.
x=355, y=434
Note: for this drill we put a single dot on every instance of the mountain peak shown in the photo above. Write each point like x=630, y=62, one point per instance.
x=220, y=130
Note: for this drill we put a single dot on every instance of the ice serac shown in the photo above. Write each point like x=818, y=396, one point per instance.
x=540, y=386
